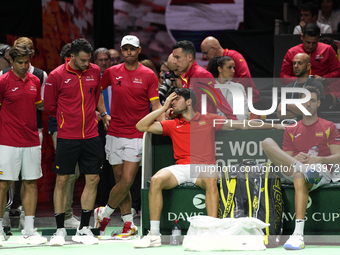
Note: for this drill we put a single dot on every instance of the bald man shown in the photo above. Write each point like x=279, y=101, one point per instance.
x=301, y=67
x=211, y=47
x=115, y=57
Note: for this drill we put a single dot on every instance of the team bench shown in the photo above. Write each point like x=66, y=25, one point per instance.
x=232, y=147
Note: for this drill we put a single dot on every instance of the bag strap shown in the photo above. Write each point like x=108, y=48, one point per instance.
x=248, y=192
x=267, y=203
x=229, y=202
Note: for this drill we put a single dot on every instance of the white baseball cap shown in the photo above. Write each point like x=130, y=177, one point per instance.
x=130, y=39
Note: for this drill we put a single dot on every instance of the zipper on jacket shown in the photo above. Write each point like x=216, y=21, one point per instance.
x=62, y=122
x=82, y=105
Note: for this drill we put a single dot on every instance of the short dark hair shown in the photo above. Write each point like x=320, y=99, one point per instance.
x=312, y=90
x=312, y=7
x=311, y=30
x=186, y=93
x=187, y=47
x=79, y=45
x=101, y=50
x=216, y=62
x=65, y=52
x=20, y=50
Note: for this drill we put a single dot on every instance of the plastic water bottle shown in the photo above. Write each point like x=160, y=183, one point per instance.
x=314, y=151
x=314, y=174
x=176, y=234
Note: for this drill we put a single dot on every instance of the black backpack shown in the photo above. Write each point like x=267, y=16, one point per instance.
x=251, y=190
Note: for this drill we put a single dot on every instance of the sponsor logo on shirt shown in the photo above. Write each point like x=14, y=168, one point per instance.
x=319, y=134
x=179, y=126
x=90, y=78
x=202, y=123
x=15, y=89
x=117, y=78
x=33, y=87
x=297, y=135
x=137, y=81
x=319, y=56
x=67, y=81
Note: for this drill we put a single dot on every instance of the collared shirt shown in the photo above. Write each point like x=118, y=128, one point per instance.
x=18, y=119
x=333, y=20
x=194, y=141
x=324, y=29
x=131, y=94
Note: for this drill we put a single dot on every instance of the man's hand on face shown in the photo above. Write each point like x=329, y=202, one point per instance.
x=167, y=105
x=302, y=25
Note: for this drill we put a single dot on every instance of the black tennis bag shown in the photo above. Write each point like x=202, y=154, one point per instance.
x=253, y=190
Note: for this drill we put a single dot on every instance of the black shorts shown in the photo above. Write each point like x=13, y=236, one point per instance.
x=87, y=152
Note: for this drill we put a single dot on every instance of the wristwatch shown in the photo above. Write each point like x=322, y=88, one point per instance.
x=103, y=114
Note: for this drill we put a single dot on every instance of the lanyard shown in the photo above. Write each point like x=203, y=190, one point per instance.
x=295, y=85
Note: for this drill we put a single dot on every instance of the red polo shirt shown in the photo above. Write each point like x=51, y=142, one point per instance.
x=18, y=118
x=132, y=92
x=194, y=141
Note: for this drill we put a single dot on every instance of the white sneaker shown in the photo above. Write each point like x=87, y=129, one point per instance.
x=58, y=238
x=99, y=221
x=31, y=237
x=85, y=236
x=148, y=241
x=72, y=222
x=295, y=242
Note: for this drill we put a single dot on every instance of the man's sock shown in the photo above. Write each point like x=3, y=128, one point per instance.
x=60, y=218
x=154, y=227
x=29, y=223
x=85, y=218
x=299, y=226
x=128, y=217
x=107, y=211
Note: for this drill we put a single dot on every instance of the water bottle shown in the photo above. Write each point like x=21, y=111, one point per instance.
x=314, y=174
x=314, y=151
x=176, y=234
